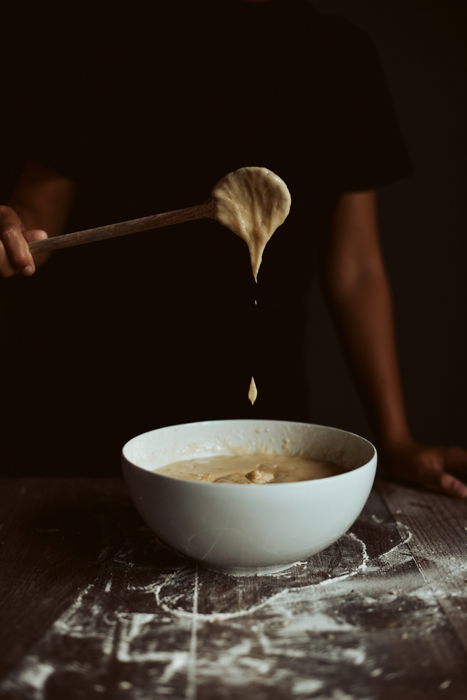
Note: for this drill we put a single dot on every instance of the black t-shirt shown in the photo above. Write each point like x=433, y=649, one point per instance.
x=145, y=109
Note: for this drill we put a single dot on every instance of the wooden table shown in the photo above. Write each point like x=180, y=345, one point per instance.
x=93, y=606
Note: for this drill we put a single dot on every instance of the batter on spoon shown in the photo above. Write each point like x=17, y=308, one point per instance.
x=252, y=202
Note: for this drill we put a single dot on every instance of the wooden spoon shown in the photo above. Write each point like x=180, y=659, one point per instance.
x=252, y=202
x=124, y=228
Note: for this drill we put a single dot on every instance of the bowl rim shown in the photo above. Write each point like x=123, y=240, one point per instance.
x=289, y=484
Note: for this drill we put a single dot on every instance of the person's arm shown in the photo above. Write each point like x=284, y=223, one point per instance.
x=38, y=208
x=359, y=297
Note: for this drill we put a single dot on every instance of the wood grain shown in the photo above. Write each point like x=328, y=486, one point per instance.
x=439, y=547
x=51, y=538
x=93, y=606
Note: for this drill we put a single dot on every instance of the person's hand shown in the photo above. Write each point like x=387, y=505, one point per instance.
x=432, y=468
x=15, y=256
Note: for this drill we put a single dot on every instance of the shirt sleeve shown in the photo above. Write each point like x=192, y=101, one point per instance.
x=370, y=149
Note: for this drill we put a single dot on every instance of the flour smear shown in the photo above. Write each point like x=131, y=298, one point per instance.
x=292, y=631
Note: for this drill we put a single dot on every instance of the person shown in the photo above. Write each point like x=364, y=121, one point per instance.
x=143, y=111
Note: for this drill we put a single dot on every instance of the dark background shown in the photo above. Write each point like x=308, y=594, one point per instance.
x=422, y=45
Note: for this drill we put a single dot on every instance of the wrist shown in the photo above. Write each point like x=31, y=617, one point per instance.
x=399, y=440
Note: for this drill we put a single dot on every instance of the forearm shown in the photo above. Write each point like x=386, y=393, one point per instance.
x=43, y=199
x=359, y=297
x=363, y=315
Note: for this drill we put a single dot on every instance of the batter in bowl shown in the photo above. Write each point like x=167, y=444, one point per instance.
x=257, y=468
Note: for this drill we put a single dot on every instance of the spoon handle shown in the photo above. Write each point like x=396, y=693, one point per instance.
x=123, y=228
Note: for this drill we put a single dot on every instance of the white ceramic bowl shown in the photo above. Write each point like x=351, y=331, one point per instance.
x=241, y=528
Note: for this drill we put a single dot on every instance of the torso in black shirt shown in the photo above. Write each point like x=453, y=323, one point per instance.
x=145, y=110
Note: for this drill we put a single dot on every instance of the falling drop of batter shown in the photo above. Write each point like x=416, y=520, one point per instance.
x=252, y=391
x=252, y=202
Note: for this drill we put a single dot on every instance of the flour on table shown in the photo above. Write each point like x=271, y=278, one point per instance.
x=291, y=636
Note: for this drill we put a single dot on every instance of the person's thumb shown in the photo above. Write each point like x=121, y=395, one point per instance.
x=35, y=234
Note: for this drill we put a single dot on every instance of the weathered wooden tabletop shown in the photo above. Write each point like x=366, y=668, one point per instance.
x=93, y=606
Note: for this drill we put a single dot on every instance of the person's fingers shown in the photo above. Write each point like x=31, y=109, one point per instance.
x=15, y=246
x=8, y=219
x=35, y=234
x=429, y=468
x=456, y=459
x=451, y=486
x=6, y=270
x=434, y=477
x=429, y=475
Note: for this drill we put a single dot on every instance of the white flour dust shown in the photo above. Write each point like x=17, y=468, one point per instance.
x=306, y=687
x=177, y=632
x=36, y=674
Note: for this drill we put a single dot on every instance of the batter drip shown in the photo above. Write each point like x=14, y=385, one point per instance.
x=252, y=202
